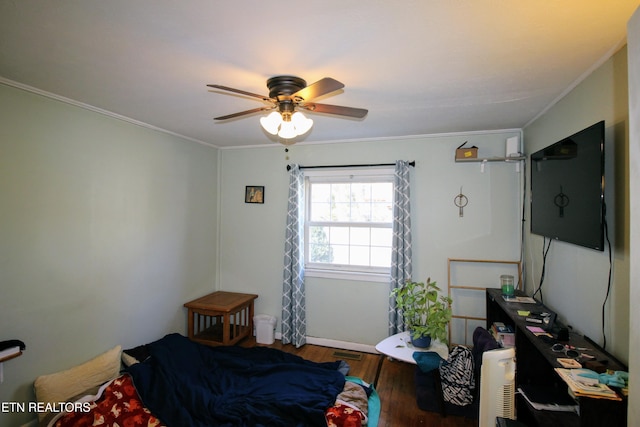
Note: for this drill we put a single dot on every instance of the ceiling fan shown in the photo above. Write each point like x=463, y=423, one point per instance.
x=286, y=94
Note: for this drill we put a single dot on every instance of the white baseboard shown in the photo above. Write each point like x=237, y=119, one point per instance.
x=343, y=345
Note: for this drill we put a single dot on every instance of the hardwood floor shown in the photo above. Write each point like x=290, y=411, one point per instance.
x=395, y=385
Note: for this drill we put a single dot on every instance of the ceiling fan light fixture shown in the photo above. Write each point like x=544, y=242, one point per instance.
x=286, y=126
x=301, y=123
x=287, y=130
x=272, y=122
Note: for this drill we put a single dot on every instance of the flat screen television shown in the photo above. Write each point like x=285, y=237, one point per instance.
x=567, y=189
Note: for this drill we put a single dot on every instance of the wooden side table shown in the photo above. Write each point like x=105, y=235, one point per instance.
x=220, y=318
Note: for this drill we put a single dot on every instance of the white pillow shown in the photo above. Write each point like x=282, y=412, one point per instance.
x=129, y=360
x=63, y=385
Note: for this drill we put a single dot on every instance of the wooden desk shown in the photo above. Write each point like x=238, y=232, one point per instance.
x=220, y=318
x=535, y=363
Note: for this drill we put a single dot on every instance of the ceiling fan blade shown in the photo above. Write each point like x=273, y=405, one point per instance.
x=335, y=109
x=242, y=92
x=245, y=113
x=319, y=88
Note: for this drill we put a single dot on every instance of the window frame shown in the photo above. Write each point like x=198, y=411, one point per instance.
x=345, y=271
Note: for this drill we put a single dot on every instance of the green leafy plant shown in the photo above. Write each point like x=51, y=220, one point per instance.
x=425, y=313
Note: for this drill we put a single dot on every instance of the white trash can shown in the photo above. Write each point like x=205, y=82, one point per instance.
x=265, y=326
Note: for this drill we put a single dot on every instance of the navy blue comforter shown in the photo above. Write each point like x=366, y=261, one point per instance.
x=187, y=384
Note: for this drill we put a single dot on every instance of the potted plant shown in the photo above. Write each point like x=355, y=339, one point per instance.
x=425, y=313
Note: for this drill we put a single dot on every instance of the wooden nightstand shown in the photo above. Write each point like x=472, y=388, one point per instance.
x=220, y=318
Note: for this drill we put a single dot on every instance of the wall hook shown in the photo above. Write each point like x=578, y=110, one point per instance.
x=460, y=201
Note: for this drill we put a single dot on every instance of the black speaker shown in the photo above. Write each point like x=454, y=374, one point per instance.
x=563, y=334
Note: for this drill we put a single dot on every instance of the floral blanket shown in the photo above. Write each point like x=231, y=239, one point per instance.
x=119, y=405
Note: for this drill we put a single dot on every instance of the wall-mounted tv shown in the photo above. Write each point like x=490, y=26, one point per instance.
x=567, y=189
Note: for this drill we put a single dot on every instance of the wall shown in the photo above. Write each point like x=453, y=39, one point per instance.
x=634, y=208
x=576, y=278
x=106, y=229
x=252, y=235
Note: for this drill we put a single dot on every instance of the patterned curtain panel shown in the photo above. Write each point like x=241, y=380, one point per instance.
x=401, y=245
x=294, y=322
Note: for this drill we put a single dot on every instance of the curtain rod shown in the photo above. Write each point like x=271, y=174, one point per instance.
x=412, y=163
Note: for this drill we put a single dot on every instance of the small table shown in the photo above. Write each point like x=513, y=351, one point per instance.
x=220, y=318
x=399, y=347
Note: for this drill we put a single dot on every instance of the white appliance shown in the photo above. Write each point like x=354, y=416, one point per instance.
x=497, y=386
x=513, y=147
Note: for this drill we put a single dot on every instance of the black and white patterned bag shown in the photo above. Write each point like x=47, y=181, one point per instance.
x=457, y=374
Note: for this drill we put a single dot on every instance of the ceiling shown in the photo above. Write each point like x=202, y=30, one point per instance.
x=418, y=66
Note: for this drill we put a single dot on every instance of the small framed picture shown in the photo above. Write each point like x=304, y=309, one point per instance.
x=254, y=194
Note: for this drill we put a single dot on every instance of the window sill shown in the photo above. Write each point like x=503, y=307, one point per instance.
x=358, y=276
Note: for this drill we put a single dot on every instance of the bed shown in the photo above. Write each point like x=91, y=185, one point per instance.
x=176, y=382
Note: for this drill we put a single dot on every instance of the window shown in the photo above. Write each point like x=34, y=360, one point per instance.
x=348, y=221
